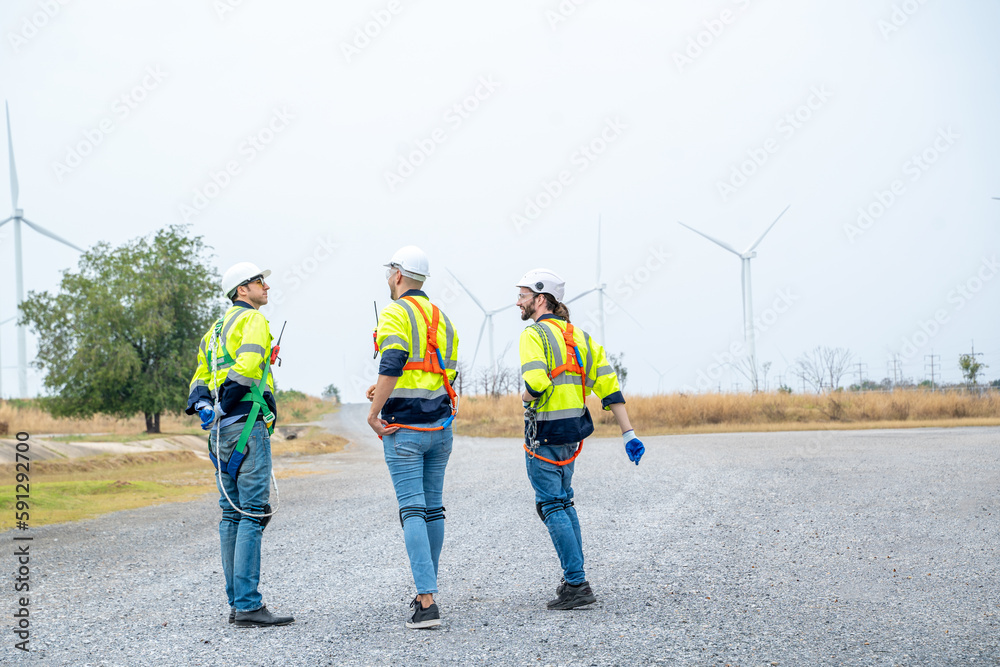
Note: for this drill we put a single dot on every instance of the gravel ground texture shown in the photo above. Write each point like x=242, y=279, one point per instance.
x=808, y=548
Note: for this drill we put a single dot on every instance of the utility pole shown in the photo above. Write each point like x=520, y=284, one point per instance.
x=895, y=368
x=736, y=387
x=861, y=374
x=931, y=363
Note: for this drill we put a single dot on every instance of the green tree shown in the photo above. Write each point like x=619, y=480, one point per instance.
x=970, y=368
x=331, y=391
x=617, y=362
x=121, y=335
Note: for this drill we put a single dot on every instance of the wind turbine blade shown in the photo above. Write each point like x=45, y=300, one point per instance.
x=581, y=294
x=768, y=229
x=715, y=241
x=479, y=340
x=5, y=222
x=13, y=169
x=502, y=308
x=608, y=297
x=44, y=232
x=471, y=296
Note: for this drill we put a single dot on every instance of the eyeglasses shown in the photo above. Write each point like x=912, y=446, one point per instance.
x=521, y=296
x=388, y=272
x=256, y=279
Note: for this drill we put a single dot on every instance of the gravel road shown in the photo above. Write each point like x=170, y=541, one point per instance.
x=818, y=548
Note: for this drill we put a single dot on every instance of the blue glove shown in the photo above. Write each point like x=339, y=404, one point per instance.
x=207, y=417
x=633, y=447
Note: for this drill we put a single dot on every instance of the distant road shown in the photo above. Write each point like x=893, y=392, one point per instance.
x=817, y=548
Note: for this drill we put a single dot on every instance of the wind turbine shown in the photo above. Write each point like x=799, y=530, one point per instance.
x=601, y=289
x=17, y=217
x=660, y=375
x=745, y=258
x=488, y=319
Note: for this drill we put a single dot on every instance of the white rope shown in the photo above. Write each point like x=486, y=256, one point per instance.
x=216, y=343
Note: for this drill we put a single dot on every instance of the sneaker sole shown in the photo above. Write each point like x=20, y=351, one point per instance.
x=420, y=625
x=246, y=624
x=574, y=604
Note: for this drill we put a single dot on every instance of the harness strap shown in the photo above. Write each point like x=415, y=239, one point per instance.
x=572, y=365
x=557, y=463
x=259, y=404
x=432, y=363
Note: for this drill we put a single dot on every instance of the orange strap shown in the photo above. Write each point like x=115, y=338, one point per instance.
x=572, y=365
x=557, y=463
x=431, y=363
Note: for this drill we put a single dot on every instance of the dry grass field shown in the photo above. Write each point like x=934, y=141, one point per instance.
x=28, y=416
x=714, y=413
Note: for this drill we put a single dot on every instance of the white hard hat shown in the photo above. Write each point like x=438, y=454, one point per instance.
x=240, y=273
x=544, y=281
x=411, y=262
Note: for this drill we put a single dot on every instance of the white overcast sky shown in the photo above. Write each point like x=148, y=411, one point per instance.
x=683, y=93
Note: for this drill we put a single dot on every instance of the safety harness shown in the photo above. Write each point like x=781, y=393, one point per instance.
x=217, y=350
x=432, y=362
x=573, y=364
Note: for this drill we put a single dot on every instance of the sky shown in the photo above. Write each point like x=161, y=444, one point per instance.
x=315, y=139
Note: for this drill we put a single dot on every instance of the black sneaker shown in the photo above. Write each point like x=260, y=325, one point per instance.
x=573, y=596
x=232, y=614
x=261, y=618
x=423, y=618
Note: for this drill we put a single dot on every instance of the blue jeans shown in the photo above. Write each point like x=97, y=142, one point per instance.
x=240, y=535
x=553, y=500
x=417, y=460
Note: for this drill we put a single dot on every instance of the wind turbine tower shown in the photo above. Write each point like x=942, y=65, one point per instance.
x=17, y=217
x=745, y=257
x=601, y=289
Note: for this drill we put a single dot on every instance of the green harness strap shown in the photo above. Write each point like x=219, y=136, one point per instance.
x=259, y=404
x=255, y=394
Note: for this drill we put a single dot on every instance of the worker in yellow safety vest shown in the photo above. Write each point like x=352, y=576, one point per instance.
x=560, y=365
x=233, y=392
x=413, y=405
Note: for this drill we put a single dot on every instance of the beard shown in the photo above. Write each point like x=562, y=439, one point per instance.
x=528, y=312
